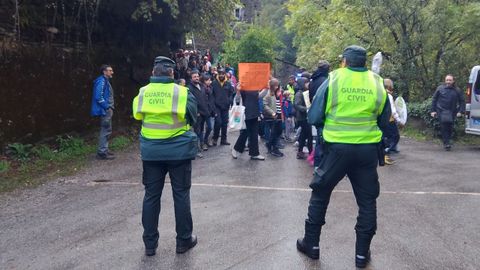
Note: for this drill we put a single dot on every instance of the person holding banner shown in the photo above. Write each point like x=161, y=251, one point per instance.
x=252, y=112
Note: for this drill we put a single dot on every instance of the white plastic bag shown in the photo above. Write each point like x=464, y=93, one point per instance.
x=236, y=117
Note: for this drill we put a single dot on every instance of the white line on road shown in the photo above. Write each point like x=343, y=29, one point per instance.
x=121, y=183
x=337, y=191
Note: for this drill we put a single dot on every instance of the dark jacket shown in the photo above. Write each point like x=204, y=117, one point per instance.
x=222, y=94
x=300, y=107
x=448, y=99
x=318, y=77
x=210, y=99
x=202, y=102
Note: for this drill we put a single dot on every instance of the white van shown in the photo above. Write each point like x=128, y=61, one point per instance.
x=472, y=110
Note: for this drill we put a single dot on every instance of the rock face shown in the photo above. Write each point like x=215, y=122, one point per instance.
x=252, y=9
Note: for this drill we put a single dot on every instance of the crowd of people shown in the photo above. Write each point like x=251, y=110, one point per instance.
x=279, y=111
x=357, y=119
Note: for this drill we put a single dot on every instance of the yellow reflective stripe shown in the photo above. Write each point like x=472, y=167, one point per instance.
x=163, y=126
x=176, y=92
x=140, y=99
x=351, y=119
x=379, y=95
x=333, y=105
x=366, y=128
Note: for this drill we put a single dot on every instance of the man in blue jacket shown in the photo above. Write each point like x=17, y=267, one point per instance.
x=103, y=106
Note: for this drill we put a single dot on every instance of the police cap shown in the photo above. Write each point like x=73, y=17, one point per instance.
x=165, y=61
x=355, y=55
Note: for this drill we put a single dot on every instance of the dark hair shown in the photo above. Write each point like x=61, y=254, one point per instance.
x=161, y=70
x=104, y=67
x=194, y=71
x=205, y=77
x=450, y=75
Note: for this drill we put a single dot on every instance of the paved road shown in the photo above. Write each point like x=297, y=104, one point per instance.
x=248, y=215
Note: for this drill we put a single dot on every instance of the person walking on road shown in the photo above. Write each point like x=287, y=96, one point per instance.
x=103, y=105
x=350, y=108
x=167, y=146
x=391, y=135
x=305, y=137
x=447, y=103
x=203, y=110
x=222, y=92
x=250, y=133
x=272, y=113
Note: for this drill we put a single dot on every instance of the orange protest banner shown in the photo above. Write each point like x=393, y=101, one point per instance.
x=253, y=76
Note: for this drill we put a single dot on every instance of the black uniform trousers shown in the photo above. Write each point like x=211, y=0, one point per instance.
x=359, y=162
x=221, y=122
x=154, y=173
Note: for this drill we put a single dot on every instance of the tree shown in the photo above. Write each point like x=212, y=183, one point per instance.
x=422, y=40
x=256, y=45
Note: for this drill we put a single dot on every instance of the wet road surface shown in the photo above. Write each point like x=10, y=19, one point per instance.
x=248, y=215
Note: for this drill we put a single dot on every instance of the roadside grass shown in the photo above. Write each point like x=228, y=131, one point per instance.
x=26, y=165
x=426, y=134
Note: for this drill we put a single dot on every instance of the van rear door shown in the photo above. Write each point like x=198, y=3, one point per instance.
x=472, y=119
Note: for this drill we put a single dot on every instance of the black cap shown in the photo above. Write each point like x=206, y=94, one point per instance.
x=165, y=61
x=356, y=56
x=221, y=70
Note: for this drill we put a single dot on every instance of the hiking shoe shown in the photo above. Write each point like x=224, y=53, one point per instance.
x=276, y=153
x=311, y=252
x=362, y=261
x=388, y=160
x=301, y=155
x=104, y=157
x=258, y=157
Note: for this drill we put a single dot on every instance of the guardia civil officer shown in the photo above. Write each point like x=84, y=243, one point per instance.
x=167, y=146
x=350, y=108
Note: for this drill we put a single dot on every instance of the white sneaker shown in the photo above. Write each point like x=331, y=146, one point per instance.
x=235, y=154
x=259, y=157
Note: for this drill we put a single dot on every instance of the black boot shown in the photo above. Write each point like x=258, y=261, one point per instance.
x=362, y=261
x=362, y=250
x=309, y=245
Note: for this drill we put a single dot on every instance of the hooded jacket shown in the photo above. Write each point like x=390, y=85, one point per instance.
x=318, y=77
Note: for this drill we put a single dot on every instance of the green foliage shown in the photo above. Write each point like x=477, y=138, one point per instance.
x=421, y=110
x=423, y=40
x=72, y=146
x=120, y=142
x=20, y=151
x=256, y=45
x=4, y=165
x=44, y=152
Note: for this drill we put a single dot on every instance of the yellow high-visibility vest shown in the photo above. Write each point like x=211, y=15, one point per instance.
x=162, y=109
x=355, y=100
